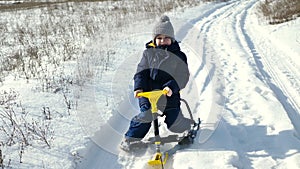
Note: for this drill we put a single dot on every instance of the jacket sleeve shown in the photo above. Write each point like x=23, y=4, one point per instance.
x=142, y=74
x=181, y=75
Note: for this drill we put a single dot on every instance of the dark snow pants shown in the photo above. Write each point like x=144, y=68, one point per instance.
x=141, y=123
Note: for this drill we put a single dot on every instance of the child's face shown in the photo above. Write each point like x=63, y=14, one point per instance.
x=163, y=40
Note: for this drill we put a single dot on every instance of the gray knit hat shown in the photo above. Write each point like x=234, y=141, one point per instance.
x=163, y=27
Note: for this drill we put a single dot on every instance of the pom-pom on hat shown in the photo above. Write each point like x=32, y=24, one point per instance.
x=163, y=27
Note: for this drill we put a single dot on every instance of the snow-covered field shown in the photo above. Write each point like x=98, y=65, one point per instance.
x=245, y=86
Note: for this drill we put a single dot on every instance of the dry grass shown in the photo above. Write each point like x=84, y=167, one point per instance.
x=279, y=11
x=57, y=33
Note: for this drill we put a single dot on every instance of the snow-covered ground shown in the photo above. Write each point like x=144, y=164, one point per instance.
x=245, y=80
x=245, y=86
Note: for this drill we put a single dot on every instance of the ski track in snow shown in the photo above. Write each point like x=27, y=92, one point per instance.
x=231, y=55
x=282, y=76
x=265, y=70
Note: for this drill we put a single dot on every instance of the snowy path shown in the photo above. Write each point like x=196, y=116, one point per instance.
x=247, y=79
x=248, y=89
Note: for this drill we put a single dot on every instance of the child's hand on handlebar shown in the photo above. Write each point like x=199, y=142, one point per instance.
x=136, y=93
x=169, y=91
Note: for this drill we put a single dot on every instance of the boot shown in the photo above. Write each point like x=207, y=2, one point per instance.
x=128, y=144
x=191, y=135
x=125, y=144
x=188, y=139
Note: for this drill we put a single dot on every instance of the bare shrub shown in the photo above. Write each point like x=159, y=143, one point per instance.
x=40, y=131
x=15, y=127
x=279, y=11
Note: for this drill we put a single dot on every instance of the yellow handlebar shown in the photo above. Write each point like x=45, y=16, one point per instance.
x=153, y=97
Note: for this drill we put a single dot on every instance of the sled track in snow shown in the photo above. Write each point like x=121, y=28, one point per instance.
x=212, y=32
x=282, y=78
x=255, y=56
x=286, y=84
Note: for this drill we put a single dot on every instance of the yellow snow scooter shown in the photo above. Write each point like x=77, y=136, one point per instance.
x=159, y=158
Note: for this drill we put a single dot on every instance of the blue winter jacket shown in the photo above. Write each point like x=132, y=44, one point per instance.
x=161, y=67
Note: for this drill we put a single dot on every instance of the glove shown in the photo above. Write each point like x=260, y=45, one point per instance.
x=169, y=91
x=135, y=94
